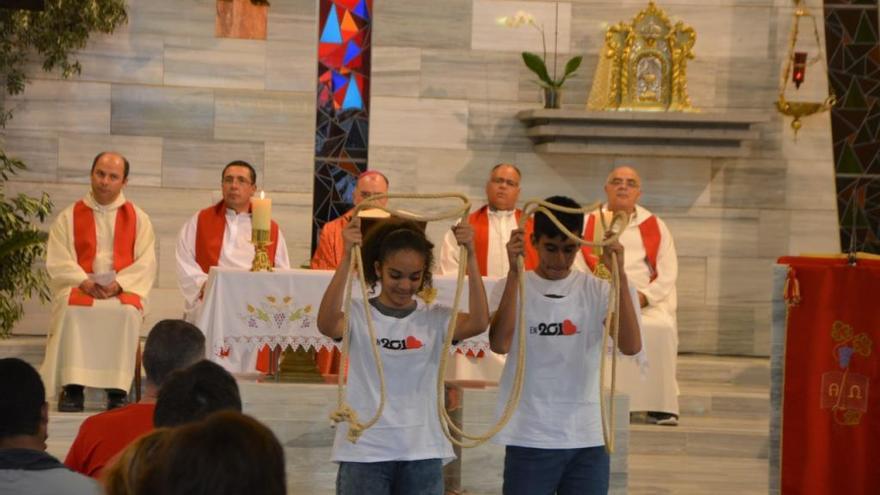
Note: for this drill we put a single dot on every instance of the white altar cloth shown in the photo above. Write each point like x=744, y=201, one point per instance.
x=244, y=310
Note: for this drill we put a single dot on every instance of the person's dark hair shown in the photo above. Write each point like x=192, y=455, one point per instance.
x=391, y=236
x=22, y=396
x=572, y=221
x=124, y=160
x=240, y=163
x=228, y=453
x=193, y=393
x=172, y=345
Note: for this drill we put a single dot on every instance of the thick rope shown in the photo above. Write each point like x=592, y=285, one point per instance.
x=612, y=316
x=344, y=411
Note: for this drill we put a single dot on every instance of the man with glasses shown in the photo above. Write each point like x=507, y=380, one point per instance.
x=329, y=251
x=651, y=266
x=492, y=225
x=220, y=235
x=102, y=264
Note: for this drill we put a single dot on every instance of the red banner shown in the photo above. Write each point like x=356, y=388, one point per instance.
x=830, y=415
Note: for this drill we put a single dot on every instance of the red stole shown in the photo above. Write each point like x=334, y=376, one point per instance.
x=209, y=241
x=209, y=236
x=479, y=220
x=650, y=231
x=85, y=244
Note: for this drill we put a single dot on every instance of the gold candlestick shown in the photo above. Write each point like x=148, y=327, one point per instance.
x=261, y=240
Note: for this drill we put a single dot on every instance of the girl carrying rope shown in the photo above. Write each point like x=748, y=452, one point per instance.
x=404, y=451
x=554, y=440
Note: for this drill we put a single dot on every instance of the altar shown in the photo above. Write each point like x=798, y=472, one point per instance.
x=244, y=310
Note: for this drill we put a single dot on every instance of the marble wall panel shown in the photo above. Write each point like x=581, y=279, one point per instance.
x=493, y=125
x=77, y=151
x=396, y=71
x=162, y=111
x=810, y=185
x=419, y=123
x=39, y=153
x=488, y=34
x=289, y=167
x=61, y=106
x=749, y=183
x=714, y=232
x=738, y=280
x=813, y=231
x=294, y=20
x=291, y=65
x=264, y=116
x=579, y=177
x=169, y=17
x=774, y=231
x=198, y=164
x=670, y=182
x=691, y=284
x=471, y=75
x=291, y=49
x=215, y=63
x=167, y=273
x=122, y=58
x=420, y=24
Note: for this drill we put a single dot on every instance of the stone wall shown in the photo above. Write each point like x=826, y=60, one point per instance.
x=447, y=82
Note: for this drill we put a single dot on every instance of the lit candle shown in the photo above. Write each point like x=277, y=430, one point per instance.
x=262, y=212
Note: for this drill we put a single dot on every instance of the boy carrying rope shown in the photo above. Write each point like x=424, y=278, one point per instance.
x=554, y=440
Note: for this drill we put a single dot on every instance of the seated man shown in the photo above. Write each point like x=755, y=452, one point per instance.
x=652, y=268
x=171, y=345
x=220, y=235
x=25, y=467
x=329, y=251
x=102, y=263
x=193, y=393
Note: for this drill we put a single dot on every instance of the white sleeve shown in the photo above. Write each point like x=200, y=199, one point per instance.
x=449, y=255
x=61, y=263
x=140, y=276
x=282, y=259
x=190, y=276
x=667, y=268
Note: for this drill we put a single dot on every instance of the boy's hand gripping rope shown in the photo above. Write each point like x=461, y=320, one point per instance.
x=612, y=317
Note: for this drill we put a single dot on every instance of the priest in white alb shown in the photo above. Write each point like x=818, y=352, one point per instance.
x=102, y=264
x=220, y=235
x=652, y=268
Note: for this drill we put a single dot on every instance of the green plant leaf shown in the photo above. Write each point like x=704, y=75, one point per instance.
x=537, y=65
x=19, y=241
x=570, y=67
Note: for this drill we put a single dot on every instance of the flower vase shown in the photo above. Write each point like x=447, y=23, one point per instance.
x=552, y=97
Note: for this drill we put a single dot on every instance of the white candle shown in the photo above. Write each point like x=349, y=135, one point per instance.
x=262, y=212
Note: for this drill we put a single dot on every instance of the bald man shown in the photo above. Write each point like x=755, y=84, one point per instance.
x=492, y=225
x=651, y=266
x=101, y=259
x=329, y=252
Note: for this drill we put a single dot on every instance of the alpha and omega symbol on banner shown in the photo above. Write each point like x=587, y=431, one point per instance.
x=844, y=392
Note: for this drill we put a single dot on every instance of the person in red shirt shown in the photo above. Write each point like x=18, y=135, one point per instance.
x=171, y=345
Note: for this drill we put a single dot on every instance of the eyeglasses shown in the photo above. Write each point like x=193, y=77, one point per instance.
x=502, y=180
x=229, y=179
x=631, y=183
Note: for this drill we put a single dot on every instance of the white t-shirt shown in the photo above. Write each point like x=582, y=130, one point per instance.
x=410, y=347
x=559, y=405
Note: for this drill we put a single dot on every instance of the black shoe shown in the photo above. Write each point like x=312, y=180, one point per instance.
x=116, y=398
x=71, y=399
x=662, y=418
